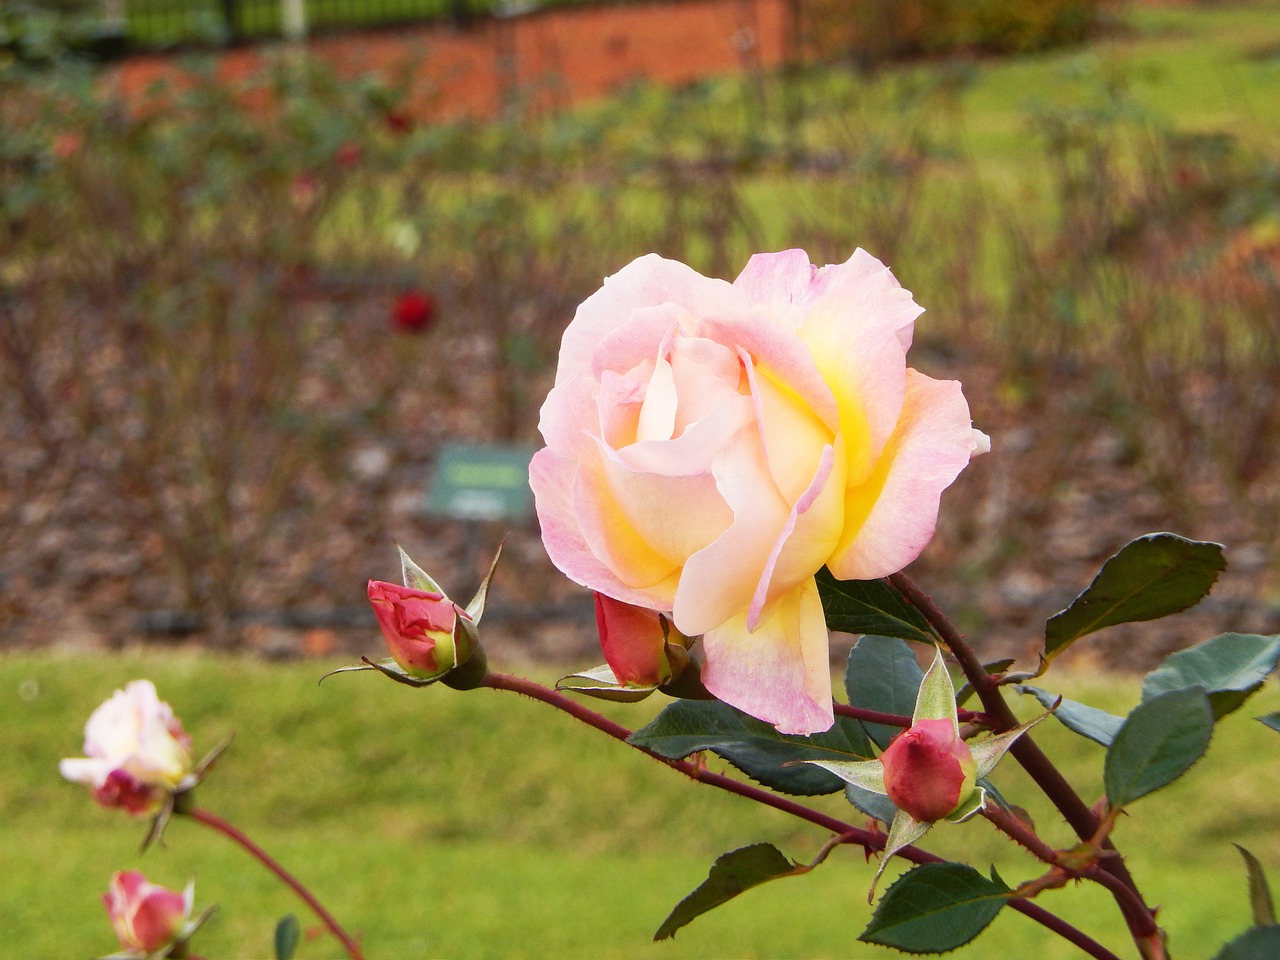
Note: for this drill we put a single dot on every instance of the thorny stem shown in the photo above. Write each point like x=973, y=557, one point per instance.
x=1139, y=918
x=844, y=832
x=288, y=879
x=898, y=719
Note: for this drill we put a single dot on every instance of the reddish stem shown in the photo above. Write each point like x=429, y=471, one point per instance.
x=898, y=719
x=288, y=879
x=1139, y=917
x=870, y=840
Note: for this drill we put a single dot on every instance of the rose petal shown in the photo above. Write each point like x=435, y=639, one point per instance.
x=781, y=672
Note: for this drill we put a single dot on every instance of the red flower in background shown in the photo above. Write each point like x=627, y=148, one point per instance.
x=398, y=121
x=349, y=155
x=414, y=312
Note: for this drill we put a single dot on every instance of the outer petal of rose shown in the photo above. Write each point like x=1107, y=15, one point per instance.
x=891, y=516
x=633, y=642
x=780, y=280
x=780, y=673
x=553, y=479
x=862, y=292
x=82, y=770
x=646, y=282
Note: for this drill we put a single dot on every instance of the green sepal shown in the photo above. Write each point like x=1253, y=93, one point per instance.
x=415, y=577
x=969, y=806
x=600, y=683
x=988, y=751
x=936, y=699
x=867, y=774
x=470, y=674
x=475, y=609
x=903, y=831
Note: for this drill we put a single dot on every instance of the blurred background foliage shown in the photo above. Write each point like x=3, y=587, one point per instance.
x=208, y=407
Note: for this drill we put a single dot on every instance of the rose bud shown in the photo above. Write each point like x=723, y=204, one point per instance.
x=136, y=752
x=414, y=312
x=424, y=630
x=634, y=642
x=147, y=918
x=929, y=770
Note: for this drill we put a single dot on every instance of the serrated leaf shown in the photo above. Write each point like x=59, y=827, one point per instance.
x=731, y=874
x=882, y=674
x=1263, y=907
x=600, y=682
x=936, y=907
x=287, y=936
x=754, y=747
x=1098, y=725
x=1158, y=742
x=1256, y=943
x=872, y=804
x=870, y=606
x=1272, y=720
x=1230, y=668
x=1151, y=577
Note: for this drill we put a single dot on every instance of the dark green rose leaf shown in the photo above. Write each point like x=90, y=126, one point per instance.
x=1230, y=668
x=1158, y=742
x=287, y=936
x=882, y=674
x=732, y=874
x=1256, y=943
x=1263, y=907
x=936, y=907
x=870, y=606
x=1272, y=720
x=872, y=804
x=1097, y=725
x=754, y=747
x=1151, y=577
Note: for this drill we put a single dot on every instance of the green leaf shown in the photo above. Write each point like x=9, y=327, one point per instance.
x=1256, y=943
x=754, y=747
x=1230, y=668
x=1151, y=577
x=870, y=606
x=1264, y=910
x=286, y=937
x=882, y=674
x=1272, y=720
x=1158, y=742
x=936, y=907
x=1098, y=725
x=732, y=874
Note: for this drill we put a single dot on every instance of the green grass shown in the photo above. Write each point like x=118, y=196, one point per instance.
x=481, y=825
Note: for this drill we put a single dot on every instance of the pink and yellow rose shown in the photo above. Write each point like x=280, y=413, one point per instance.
x=712, y=445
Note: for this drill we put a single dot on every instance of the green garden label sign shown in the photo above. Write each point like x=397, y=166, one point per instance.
x=482, y=483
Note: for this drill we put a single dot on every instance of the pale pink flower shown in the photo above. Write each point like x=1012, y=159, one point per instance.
x=712, y=445
x=136, y=752
x=146, y=918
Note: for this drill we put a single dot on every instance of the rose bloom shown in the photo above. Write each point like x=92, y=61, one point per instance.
x=929, y=770
x=712, y=445
x=146, y=917
x=136, y=752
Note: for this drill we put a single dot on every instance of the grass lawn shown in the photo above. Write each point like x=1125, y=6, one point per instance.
x=478, y=825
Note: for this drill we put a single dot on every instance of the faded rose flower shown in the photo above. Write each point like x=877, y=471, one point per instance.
x=711, y=446
x=136, y=752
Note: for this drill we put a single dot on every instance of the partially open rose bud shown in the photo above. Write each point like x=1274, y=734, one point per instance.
x=928, y=770
x=422, y=628
x=147, y=918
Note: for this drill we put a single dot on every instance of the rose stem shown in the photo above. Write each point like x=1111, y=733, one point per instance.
x=1033, y=760
x=871, y=840
x=289, y=880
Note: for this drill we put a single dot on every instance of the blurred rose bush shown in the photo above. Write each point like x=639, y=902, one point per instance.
x=711, y=446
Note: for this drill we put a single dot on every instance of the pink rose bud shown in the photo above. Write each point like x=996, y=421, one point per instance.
x=421, y=628
x=929, y=770
x=634, y=642
x=147, y=918
x=136, y=752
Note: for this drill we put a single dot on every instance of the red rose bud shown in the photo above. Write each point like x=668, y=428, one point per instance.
x=414, y=312
x=929, y=770
x=633, y=641
x=422, y=629
x=146, y=918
